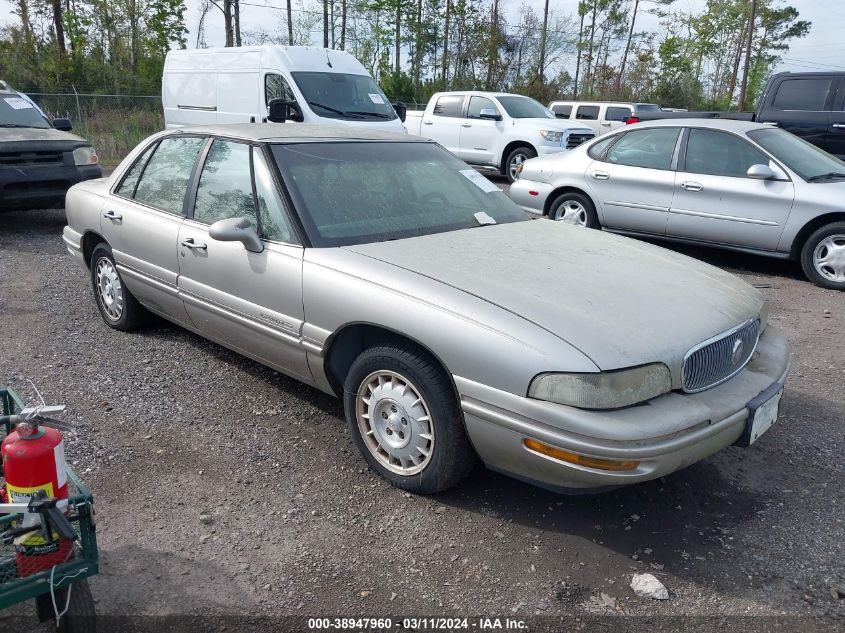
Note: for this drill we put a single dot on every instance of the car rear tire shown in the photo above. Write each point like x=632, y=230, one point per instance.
x=515, y=159
x=573, y=207
x=823, y=256
x=405, y=419
x=119, y=309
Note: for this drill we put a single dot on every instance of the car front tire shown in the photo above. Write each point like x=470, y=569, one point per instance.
x=823, y=256
x=515, y=159
x=575, y=208
x=119, y=309
x=405, y=419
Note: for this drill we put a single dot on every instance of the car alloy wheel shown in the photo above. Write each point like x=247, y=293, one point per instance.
x=571, y=212
x=109, y=289
x=829, y=258
x=395, y=422
x=516, y=165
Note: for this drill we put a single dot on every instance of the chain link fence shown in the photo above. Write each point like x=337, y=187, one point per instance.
x=114, y=124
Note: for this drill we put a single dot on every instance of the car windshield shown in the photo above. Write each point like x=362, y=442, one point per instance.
x=343, y=96
x=524, y=108
x=15, y=111
x=806, y=160
x=357, y=192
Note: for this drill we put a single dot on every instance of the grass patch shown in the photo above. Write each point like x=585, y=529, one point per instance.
x=114, y=133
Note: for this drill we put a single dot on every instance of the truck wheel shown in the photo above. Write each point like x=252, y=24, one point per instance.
x=405, y=419
x=119, y=309
x=515, y=159
x=823, y=256
x=573, y=207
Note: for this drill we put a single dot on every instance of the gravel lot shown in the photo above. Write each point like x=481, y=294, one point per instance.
x=224, y=487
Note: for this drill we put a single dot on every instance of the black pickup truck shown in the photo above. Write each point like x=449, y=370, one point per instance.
x=810, y=105
x=39, y=159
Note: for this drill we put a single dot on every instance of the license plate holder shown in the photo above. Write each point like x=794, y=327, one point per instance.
x=763, y=412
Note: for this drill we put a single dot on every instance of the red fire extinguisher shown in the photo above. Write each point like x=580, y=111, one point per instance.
x=34, y=460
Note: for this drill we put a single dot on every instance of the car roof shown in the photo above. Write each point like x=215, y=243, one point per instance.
x=728, y=125
x=269, y=132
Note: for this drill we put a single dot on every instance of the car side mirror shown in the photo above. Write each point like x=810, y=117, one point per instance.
x=237, y=230
x=490, y=114
x=280, y=110
x=401, y=111
x=63, y=125
x=761, y=172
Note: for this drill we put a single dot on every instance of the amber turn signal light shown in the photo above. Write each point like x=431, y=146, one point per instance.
x=575, y=458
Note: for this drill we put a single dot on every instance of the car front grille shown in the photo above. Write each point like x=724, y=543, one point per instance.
x=719, y=358
x=16, y=159
x=574, y=140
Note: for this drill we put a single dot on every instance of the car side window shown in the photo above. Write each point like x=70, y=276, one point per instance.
x=225, y=187
x=130, y=179
x=651, y=148
x=276, y=87
x=617, y=113
x=808, y=95
x=477, y=104
x=165, y=179
x=271, y=209
x=720, y=154
x=597, y=149
x=562, y=111
x=587, y=113
x=449, y=105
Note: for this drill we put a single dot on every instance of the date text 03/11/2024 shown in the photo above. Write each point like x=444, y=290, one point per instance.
x=417, y=624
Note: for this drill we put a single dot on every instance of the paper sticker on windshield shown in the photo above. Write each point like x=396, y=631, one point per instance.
x=479, y=181
x=18, y=103
x=376, y=98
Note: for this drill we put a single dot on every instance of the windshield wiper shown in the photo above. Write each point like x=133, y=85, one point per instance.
x=380, y=115
x=828, y=176
x=329, y=108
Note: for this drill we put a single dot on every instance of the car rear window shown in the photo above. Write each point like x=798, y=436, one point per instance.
x=449, y=105
x=587, y=113
x=809, y=95
x=616, y=113
x=562, y=111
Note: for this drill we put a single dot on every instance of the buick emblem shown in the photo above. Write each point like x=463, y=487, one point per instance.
x=736, y=352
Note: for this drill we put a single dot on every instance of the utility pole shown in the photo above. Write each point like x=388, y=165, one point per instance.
x=744, y=88
x=325, y=23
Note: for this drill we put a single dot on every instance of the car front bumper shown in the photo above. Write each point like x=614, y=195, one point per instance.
x=42, y=186
x=664, y=434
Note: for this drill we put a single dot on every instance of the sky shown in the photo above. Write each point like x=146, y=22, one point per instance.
x=823, y=49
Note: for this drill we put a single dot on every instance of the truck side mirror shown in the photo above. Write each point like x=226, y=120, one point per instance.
x=63, y=125
x=280, y=110
x=401, y=110
x=490, y=114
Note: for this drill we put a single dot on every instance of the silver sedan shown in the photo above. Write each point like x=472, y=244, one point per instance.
x=383, y=270
x=730, y=184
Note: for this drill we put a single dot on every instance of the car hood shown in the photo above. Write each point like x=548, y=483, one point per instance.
x=26, y=134
x=621, y=302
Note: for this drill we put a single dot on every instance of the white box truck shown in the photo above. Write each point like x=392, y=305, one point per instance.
x=234, y=85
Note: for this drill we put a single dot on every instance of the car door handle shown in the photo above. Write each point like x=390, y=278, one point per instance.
x=600, y=175
x=466, y=124
x=692, y=186
x=838, y=125
x=606, y=124
x=189, y=243
x=111, y=215
x=428, y=122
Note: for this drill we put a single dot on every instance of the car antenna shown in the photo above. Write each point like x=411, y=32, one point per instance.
x=328, y=61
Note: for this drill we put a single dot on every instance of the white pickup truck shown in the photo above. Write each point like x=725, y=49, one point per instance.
x=493, y=129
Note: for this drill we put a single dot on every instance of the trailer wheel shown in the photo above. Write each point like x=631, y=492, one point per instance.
x=80, y=617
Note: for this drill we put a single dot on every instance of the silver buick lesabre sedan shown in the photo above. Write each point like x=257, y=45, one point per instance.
x=379, y=268
x=730, y=184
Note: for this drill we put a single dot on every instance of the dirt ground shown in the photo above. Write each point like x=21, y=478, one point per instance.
x=225, y=488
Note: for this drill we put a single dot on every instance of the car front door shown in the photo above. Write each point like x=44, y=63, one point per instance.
x=716, y=201
x=443, y=124
x=479, y=136
x=633, y=180
x=248, y=301
x=141, y=221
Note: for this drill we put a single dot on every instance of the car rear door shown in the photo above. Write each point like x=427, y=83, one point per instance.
x=141, y=222
x=250, y=302
x=588, y=114
x=443, y=123
x=633, y=180
x=715, y=200
x=615, y=117
x=802, y=105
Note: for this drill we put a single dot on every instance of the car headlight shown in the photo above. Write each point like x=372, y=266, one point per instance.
x=605, y=390
x=85, y=156
x=552, y=136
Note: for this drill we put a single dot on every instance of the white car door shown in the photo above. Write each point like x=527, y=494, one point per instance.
x=633, y=180
x=251, y=302
x=141, y=222
x=479, y=137
x=443, y=123
x=716, y=201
